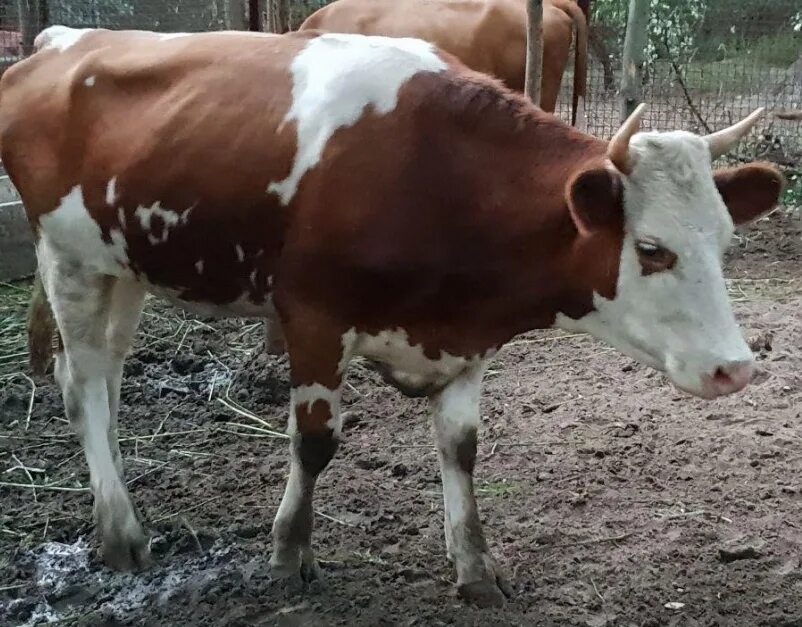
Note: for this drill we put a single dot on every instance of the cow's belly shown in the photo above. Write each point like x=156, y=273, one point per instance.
x=405, y=365
x=242, y=307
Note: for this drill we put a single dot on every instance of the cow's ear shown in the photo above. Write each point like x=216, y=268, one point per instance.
x=595, y=199
x=749, y=190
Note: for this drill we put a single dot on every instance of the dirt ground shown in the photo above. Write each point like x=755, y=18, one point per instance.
x=610, y=497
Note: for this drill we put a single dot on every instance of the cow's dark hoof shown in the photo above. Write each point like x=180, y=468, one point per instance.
x=492, y=591
x=127, y=555
x=124, y=544
x=294, y=575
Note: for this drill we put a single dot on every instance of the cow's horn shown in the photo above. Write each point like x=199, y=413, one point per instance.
x=723, y=141
x=618, y=149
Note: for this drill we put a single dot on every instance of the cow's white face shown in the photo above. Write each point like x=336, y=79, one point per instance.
x=671, y=309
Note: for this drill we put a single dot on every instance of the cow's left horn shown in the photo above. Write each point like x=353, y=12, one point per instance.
x=723, y=141
x=618, y=149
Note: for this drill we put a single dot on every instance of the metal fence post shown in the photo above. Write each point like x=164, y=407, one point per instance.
x=634, y=49
x=534, y=49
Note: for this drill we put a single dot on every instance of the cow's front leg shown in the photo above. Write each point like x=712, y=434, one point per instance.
x=316, y=361
x=456, y=419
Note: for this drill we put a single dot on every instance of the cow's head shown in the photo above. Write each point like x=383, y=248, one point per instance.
x=670, y=307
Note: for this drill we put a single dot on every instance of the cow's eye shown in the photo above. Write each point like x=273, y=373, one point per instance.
x=654, y=258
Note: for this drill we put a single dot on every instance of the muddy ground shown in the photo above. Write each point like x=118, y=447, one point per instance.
x=610, y=497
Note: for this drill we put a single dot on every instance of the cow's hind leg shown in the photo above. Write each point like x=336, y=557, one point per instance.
x=316, y=359
x=125, y=309
x=456, y=419
x=90, y=311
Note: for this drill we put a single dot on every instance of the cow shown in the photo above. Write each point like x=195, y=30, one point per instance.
x=372, y=196
x=486, y=35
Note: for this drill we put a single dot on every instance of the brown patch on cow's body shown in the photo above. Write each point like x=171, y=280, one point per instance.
x=472, y=267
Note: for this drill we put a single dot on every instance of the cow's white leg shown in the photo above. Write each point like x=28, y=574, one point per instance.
x=125, y=310
x=456, y=419
x=81, y=305
x=311, y=450
x=317, y=359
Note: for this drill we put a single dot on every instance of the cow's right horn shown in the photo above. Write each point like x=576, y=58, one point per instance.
x=724, y=140
x=618, y=149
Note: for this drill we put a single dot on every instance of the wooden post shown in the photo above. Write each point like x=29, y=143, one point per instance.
x=278, y=16
x=634, y=49
x=254, y=16
x=28, y=12
x=235, y=14
x=534, y=49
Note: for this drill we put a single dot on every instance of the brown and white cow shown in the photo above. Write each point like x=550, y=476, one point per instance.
x=486, y=35
x=377, y=198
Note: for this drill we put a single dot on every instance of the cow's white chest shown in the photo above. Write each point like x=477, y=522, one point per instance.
x=407, y=363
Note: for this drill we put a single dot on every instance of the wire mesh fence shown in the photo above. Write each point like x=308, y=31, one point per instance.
x=708, y=63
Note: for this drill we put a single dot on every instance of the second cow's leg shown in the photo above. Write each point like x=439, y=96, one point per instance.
x=316, y=360
x=456, y=419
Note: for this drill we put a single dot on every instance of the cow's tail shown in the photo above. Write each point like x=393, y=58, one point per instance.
x=580, y=63
x=41, y=328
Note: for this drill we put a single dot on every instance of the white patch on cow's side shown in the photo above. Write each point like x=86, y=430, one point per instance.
x=145, y=215
x=254, y=272
x=89, y=81
x=59, y=37
x=121, y=217
x=310, y=394
x=199, y=266
x=111, y=191
x=185, y=214
x=678, y=320
x=74, y=234
x=240, y=253
x=168, y=216
x=334, y=78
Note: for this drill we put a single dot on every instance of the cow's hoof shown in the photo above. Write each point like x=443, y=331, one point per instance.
x=482, y=593
x=127, y=552
x=491, y=591
x=292, y=573
x=123, y=541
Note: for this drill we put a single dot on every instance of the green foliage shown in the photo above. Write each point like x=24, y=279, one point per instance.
x=698, y=30
x=792, y=196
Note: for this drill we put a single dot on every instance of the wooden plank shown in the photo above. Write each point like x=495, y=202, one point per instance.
x=17, y=256
x=8, y=193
